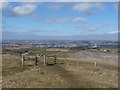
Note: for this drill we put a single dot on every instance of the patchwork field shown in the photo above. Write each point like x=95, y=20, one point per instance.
x=54, y=49
x=75, y=73
x=22, y=47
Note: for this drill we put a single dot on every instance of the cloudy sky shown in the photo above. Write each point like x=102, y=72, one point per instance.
x=60, y=20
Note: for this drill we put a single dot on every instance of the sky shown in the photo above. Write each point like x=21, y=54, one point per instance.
x=60, y=20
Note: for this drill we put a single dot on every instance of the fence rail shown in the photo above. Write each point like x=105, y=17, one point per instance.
x=47, y=59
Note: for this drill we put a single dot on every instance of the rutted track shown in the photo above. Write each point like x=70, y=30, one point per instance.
x=70, y=77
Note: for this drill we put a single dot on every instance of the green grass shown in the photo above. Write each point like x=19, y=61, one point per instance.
x=43, y=51
x=9, y=61
x=11, y=65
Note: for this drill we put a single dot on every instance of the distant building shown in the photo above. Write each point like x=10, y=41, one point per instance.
x=95, y=47
x=26, y=53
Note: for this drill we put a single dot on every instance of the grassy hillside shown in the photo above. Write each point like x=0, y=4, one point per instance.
x=76, y=73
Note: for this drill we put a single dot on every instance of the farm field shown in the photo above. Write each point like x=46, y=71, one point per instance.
x=77, y=72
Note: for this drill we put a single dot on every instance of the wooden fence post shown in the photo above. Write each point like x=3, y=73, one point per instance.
x=65, y=60
x=37, y=55
x=22, y=60
x=36, y=61
x=55, y=60
x=95, y=64
x=44, y=59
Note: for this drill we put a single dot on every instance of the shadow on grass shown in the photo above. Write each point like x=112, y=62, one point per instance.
x=50, y=64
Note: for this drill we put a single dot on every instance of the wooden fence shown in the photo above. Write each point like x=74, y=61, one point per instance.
x=52, y=59
x=47, y=59
x=32, y=59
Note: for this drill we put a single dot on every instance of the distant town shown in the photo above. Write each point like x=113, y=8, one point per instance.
x=61, y=43
x=103, y=46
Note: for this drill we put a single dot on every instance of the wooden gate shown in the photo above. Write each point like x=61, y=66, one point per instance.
x=30, y=60
x=48, y=60
x=52, y=59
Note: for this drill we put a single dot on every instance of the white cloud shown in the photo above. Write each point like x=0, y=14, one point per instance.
x=36, y=31
x=5, y=6
x=116, y=8
x=24, y=9
x=33, y=3
x=74, y=20
x=59, y=0
x=98, y=27
x=85, y=0
x=88, y=8
x=48, y=21
x=54, y=6
x=80, y=26
x=114, y=32
x=62, y=20
x=20, y=0
x=78, y=19
x=93, y=29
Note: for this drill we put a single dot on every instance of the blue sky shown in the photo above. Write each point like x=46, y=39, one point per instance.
x=75, y=20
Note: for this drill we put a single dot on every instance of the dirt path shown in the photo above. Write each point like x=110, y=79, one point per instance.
x=71, y=78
